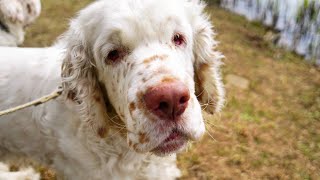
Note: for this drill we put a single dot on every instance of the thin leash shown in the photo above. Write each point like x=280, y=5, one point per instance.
x=36, y=102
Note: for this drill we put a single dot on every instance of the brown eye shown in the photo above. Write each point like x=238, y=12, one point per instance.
x=113, y=55
x=178, y=40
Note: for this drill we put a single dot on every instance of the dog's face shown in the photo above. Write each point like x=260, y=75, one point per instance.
x=156, y=62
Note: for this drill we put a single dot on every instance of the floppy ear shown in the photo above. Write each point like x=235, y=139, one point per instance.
x=209, y=87
x=80, y=83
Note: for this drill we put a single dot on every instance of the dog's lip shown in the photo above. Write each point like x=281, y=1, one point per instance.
x=174, y=142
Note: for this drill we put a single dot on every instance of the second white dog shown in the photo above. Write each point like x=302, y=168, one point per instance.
x=15, y=15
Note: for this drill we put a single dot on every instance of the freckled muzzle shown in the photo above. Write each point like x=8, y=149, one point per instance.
x=168, y=101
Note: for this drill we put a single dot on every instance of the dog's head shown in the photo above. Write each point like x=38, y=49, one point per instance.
x=153, y=61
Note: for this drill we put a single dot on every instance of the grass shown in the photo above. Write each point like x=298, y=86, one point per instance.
x=52, y=22
x=269, y=131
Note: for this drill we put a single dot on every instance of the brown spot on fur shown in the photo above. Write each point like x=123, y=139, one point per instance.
x=132, y=106
x=140, y=97
x=131, y=65
x=136, y=148
x=29, y=8
x=143, y=138
x=13, y=168
x=144, y=80
x=168, y=80
x=155, y=57
x=73, y=97
x=47, y=173
x=97, y=98
x=200, y=78
x=130, y=143
x=141, y=106
x=102, y=132
x=204, y=67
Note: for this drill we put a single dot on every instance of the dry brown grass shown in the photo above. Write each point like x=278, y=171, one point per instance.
x=53, y=21
x=270, y=131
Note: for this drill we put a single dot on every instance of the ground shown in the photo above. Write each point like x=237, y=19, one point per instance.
x=269, y=128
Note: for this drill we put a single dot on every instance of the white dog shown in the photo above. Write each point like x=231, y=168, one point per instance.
x=15, y=15
x=133, y=72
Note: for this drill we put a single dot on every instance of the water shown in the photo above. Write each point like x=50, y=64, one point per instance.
x=297, y=20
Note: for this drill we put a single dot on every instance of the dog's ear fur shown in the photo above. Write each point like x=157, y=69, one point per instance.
x=209, y=87
x=80, y=83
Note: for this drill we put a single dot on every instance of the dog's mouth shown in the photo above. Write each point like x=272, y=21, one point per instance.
x=173, y=143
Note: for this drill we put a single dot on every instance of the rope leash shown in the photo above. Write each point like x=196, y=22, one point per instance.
x=36, y=102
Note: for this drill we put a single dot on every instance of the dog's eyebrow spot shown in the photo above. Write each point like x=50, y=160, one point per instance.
x=155, y=57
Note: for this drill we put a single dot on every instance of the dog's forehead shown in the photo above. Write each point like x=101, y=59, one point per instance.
x=141, y=19
x=136, y=20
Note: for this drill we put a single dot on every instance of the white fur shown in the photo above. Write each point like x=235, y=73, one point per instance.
x=77, y=134
x=16, y=15
x=22, y=174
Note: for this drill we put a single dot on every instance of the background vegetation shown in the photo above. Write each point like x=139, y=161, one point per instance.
x=270, y=127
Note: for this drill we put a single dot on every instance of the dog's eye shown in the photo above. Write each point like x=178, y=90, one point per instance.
x=178, y=40
x=113, y=56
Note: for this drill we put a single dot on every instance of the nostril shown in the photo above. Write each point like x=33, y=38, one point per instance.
x=184, y=99
x=163, y=106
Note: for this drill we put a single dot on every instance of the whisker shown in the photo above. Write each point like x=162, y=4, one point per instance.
x=116, y=123
x=211, y=136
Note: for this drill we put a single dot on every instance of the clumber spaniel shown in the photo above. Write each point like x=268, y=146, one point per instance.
x=15, y=15
x=134, y=75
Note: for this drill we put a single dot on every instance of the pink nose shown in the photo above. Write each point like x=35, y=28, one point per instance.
x=168, y=100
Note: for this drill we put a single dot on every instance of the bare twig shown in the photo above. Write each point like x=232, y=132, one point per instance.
x=36, y=102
